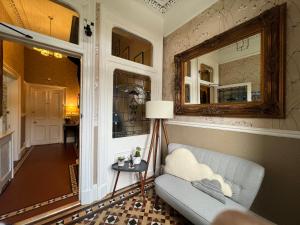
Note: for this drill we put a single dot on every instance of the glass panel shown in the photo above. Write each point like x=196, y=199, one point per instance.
x=229, y=74
x=204, y=94
x=187, y=93
x=42, y=16
x=131, y=91
x=131, y=47
x=233, y=94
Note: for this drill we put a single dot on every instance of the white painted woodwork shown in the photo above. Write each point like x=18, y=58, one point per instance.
x=14, y=111
x=6, y=158
x=149, y=27
x=46, y=114
x=85, y=50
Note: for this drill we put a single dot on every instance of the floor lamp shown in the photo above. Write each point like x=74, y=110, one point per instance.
x=159, y=111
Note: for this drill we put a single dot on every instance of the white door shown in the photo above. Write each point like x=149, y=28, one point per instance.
x=55, y=115
x=46, y=115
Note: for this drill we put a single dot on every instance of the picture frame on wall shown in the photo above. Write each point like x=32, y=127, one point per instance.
x=126, y=53
x=139, y=58
x=206, y=72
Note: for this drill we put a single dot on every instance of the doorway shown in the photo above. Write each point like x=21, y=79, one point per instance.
x=46, y=171
x=84, y=51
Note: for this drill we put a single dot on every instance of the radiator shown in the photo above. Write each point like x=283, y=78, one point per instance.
x=6, y=159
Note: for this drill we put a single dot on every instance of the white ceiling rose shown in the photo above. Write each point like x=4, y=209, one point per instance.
x=161, y=5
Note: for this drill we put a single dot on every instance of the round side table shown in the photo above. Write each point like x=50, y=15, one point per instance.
x=142, y=167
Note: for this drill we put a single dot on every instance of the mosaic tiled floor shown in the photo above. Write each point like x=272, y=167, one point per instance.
x=125, y=209
x=74, y=186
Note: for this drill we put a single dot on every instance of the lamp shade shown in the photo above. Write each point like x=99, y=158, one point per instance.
x=159, y=109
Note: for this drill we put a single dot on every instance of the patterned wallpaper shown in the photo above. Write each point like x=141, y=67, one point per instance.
x=222, y=16
x=241, y=71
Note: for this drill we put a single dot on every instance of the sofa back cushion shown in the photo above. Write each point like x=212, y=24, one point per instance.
x=244, y=175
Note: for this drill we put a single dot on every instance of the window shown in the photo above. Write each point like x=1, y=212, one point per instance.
x=131, y=91
x=131, y=47
x=45, y=17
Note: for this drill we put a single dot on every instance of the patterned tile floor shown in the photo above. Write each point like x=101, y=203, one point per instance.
x=125, y=209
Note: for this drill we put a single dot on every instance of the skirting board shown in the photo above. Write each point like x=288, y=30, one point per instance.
x=250, y=130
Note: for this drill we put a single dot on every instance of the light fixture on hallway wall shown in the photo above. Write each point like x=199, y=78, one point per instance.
x=71, y=110
x=46, y=52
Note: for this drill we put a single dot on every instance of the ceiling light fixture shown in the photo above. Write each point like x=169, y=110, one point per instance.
x=46, y=52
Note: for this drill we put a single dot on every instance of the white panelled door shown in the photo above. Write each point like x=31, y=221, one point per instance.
x=46, y=106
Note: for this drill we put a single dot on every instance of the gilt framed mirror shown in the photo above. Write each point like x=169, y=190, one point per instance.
x=1, y=77
x=239, y=73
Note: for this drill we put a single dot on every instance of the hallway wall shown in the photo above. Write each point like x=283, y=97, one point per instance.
x=51, y=71
x=279, y=156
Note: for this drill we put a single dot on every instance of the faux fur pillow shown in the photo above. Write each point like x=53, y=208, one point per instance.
x=182, y=163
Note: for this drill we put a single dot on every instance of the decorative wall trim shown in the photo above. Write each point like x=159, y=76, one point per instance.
x=250, y=130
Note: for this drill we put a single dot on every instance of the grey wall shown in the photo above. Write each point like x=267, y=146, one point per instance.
x=279, y=197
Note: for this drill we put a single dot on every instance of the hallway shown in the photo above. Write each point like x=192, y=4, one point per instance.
x=42, y=183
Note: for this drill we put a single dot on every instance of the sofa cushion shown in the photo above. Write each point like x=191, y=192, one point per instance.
x=210, y=187
x=195, y=205
x=176, y=165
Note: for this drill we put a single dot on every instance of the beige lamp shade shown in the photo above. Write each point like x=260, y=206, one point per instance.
x=159, y=109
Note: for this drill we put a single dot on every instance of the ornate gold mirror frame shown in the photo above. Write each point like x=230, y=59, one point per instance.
x=271, y=25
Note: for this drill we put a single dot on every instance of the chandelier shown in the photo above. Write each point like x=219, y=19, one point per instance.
x=46, y=52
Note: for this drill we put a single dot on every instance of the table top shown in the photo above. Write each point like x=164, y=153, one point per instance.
x=126, y=168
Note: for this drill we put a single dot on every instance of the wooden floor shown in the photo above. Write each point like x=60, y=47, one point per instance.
x=44, y=175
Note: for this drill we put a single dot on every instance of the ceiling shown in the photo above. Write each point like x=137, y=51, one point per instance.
x=33, y=15
x=176, y=13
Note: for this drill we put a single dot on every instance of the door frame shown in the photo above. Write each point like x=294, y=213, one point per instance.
x=15, y=116
x=28, y=119
x=86, y=50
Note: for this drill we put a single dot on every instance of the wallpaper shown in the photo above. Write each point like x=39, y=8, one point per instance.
x=220, y=17
x=241, y=71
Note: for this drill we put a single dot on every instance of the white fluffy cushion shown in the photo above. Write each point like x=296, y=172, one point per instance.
x=182, y=163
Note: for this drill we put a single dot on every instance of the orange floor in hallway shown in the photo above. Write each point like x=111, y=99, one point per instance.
x=43, y=175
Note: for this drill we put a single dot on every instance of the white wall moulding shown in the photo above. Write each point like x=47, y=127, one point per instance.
x=250, y=130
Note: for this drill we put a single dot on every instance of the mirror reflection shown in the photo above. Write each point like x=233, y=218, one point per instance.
x=227, y=75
